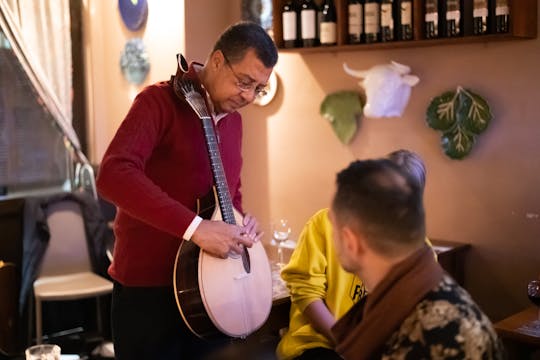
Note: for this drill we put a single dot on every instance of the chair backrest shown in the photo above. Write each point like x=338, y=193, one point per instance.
x=67, y=251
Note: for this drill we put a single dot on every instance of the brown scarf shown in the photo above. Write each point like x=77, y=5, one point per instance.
x=362, y=332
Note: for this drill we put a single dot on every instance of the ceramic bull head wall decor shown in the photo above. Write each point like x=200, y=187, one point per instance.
x=387, y=86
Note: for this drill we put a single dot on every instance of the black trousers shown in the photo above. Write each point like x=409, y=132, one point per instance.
x=319, y=353
x=147, y=325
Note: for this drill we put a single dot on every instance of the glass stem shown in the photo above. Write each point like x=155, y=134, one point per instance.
x=280, y=254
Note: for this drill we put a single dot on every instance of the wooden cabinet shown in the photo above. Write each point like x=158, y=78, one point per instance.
x=520, y=334
x=523, y=25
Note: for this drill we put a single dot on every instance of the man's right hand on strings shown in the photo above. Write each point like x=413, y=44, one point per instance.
x=220, y=239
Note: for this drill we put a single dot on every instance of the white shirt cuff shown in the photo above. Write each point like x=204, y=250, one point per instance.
x=192, y=227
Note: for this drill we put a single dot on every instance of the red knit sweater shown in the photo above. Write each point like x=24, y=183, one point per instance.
x=154, y=169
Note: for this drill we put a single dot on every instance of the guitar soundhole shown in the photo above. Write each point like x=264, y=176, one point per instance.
x=246, y=260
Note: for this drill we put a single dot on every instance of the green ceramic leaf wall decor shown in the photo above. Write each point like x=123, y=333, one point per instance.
x=342, y=109
x=461, y=116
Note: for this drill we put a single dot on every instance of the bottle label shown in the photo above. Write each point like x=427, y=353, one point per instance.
x=308, y=24
x=432, y=17
x=406, y=13
x=356, y=19
x=372, y=18
x=502, y=10
x=453, y=15
x=386, y=16
x=289, y=25
x=480, y=13
x=328, y=33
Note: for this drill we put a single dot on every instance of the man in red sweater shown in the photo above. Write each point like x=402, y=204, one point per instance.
x=155, y=169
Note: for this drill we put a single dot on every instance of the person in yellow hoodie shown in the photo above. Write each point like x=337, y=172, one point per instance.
x=321, y=290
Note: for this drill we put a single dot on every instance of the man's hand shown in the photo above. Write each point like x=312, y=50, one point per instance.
x=219, y=238
x=251, y=228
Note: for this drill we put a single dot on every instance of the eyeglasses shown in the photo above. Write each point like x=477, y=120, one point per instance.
x=246, y=85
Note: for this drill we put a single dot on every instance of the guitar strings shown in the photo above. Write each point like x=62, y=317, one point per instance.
x=196, y=101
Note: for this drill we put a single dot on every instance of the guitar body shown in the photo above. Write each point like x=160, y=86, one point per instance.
x=217, y=297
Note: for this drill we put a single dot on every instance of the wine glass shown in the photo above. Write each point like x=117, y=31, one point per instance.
x=280, y=233
x=533, y=292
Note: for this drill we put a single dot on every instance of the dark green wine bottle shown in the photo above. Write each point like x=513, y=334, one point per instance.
x=356, y=21
x=502, y=16
x=328, y=25
x=480, y=17
x=453, y=18
x=308, y=20
x=290, y=17
x=405, y=19
x=387, y=20
x=372, y=21
x=431, y=21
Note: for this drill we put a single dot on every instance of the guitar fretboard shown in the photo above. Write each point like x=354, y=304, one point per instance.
x=218, y=172
x=197, y=103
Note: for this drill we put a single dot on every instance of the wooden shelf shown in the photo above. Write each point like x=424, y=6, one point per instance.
x=523, y=25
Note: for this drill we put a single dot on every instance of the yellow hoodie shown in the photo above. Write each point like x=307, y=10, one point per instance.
x=314, y=273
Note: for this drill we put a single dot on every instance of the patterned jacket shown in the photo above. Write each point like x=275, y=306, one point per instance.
x=447, y=324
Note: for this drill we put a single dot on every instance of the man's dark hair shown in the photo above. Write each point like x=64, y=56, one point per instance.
x=412, y=163
x=381, y=201
x=245, y=35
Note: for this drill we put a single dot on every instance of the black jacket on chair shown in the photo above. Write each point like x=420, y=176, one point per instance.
x=36, y=237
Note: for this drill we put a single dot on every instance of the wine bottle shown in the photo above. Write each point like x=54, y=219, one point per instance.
x=405, y=28
x=453, y=18
x=431, y=19
x=308, y=21
x=372, y=17
x=289, y=15
x=502, y=16
x=387, y=20
x=319, y=21
x=480, y=15
x=356, y=21
x=328, y=25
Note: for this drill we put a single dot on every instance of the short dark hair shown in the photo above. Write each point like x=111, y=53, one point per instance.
x=383, y=202
x=412, y=163
x=237, y=39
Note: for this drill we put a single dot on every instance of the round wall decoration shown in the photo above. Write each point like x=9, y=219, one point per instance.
x=270, y=91
x=134, y=61
x=134, y=13
x=258, y=11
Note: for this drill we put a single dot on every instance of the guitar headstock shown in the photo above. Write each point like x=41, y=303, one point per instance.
x=193, y=97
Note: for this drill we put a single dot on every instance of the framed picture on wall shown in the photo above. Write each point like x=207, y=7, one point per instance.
x=258, y=11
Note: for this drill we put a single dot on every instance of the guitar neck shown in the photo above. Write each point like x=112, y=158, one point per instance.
x=218, y=172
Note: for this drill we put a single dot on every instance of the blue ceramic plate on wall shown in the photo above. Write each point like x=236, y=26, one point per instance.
x=134, y=13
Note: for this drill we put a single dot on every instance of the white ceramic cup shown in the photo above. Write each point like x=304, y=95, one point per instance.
x=43, y=352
